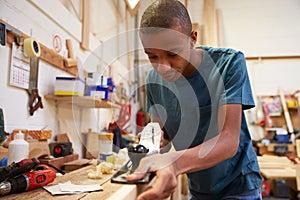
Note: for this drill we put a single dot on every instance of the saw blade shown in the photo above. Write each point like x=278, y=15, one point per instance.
x=34, y=73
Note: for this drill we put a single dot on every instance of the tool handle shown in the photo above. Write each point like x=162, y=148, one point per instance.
x=35, y=101
x=20, y=167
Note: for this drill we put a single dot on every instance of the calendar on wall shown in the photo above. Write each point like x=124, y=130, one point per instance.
x=19, y=67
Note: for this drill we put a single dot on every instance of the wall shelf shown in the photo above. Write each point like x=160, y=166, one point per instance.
x=82, y=101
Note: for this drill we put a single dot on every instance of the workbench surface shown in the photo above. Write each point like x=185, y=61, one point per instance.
x=280, y=167
x=110, y=190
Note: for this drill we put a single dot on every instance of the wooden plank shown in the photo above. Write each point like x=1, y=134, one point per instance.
x=86, y=24
x=279, y=173
x=286, y=112
x=298, y=177
x=58, y=162
x=275, y=162
x=275, y=165
x=125, y=192
x=210, y=23
x=75, y=164
x=273, y=158
x=279, y=57
x=220, y=27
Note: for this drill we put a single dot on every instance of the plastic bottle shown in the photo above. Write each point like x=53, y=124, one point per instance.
x=18, y=149
x=105, y=146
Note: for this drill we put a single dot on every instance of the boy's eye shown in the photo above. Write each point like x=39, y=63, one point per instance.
x=152, y=57
x=172, y=54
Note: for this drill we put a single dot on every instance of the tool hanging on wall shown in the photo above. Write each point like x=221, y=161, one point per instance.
x=32, y=49
x=9, y=34
x=4, y=28
x=71, y=60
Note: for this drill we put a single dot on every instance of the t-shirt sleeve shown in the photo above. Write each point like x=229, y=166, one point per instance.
x=237, y=83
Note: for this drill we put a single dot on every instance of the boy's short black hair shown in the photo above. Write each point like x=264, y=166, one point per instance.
x=166, y=14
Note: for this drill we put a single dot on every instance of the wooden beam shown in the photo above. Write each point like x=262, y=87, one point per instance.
x=220, y=28
x=132, y=11
x=210, y=23
x=186, y=3
x=273, y=57
x=86, y=24
x=286, y=113
x=199, y=29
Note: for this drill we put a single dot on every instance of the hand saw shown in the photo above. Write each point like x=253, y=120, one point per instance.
x=35, y=101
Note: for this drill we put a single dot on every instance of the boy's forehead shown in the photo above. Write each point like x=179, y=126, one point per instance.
x=163, y=39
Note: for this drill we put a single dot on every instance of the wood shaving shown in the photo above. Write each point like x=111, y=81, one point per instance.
x=102, y=168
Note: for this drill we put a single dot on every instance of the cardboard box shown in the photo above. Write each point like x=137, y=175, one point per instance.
x=98, y=91
x=69, y=86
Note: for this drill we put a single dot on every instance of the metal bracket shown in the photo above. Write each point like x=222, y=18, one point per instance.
x=3, y=32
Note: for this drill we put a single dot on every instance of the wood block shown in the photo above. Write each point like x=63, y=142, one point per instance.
x=76, y=164
x=63, y=137
x=40, y=145
x=298, y=177
x=3, y=152
x=92, y=145
x=58, y=162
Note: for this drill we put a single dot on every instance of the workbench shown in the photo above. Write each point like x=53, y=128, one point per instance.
x=280, y=167
x=111, y=191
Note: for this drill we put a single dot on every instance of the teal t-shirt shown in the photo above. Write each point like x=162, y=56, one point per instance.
x=188, y=108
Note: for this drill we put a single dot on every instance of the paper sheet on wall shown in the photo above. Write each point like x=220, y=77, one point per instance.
x=19, y=68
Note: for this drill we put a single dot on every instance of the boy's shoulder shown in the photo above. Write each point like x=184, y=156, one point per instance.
x=218, y=50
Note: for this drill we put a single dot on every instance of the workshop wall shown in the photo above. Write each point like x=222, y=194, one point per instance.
x=43, y=20
x=262, y=29
x=265, y=28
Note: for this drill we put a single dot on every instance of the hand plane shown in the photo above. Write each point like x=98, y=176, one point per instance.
x=149, y=144
x=135, y=152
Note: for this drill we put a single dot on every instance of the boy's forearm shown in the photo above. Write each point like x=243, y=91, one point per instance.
x=204, y=156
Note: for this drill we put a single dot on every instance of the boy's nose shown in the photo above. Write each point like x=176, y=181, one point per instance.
x=163, y=66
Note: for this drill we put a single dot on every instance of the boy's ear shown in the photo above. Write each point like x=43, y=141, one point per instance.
x=194, y=36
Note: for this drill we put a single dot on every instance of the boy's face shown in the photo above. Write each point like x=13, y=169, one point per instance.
x=169, y=53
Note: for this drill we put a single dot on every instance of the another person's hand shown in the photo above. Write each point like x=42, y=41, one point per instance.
x=166, y=180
